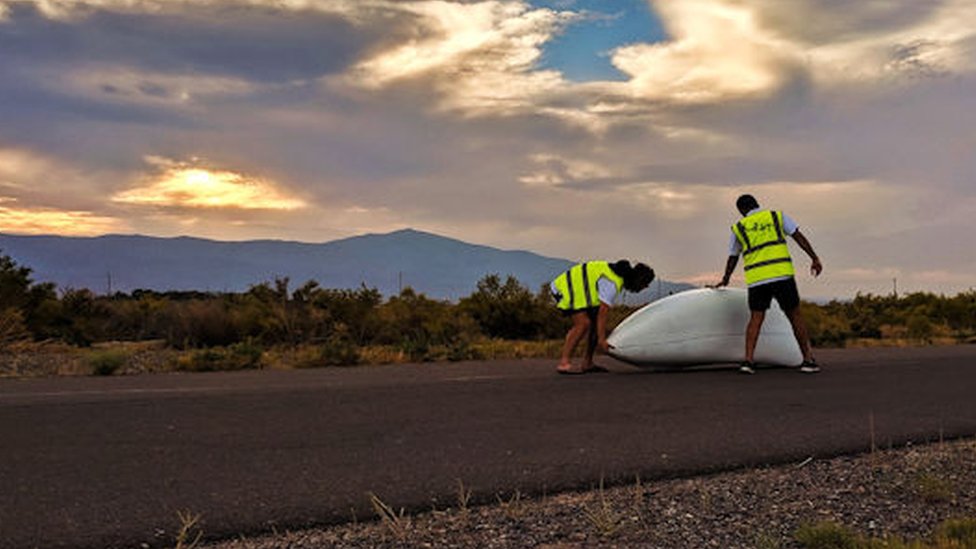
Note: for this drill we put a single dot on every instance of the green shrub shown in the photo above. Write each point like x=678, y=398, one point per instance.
x=106, y=363
x=951, y=534
x=339, y=350
x=463, y=350
x=239, y=356
x=417, y=327
x=933, y=489
x=417, y=349
x=506, y=310
x=825, y=329
x=962, y=531
x=12, y=326
x=919, y=327
x=826, y=535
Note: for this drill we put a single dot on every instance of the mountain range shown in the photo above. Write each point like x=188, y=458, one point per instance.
x=440, y=267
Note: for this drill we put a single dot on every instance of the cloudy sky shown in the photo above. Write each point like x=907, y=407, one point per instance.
x=572, y=128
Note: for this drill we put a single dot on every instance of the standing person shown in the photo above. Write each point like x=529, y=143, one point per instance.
x=585, y=293
x=760, y=236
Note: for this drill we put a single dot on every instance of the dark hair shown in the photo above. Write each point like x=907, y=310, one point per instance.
x=746, y=203
x=636, y=278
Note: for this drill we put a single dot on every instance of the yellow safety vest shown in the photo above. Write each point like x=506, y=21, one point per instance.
x=577, y=286
x=765, y=253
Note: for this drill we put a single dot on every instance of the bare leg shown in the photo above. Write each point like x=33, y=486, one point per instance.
x=581, y=325
x=591, y=341
x=752, y=333
x=800, y=331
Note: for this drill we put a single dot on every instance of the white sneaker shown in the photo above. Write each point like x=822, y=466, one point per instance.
x=809, y=367
x=746, y=368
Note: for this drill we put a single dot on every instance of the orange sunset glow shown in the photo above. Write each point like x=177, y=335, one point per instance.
x=46, y=221
x=194, y=187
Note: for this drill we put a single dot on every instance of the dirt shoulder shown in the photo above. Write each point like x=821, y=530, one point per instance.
x=904, y=493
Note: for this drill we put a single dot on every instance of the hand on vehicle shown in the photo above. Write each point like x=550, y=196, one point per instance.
x=724, y=282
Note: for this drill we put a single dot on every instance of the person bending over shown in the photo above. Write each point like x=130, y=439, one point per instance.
x=585, y=293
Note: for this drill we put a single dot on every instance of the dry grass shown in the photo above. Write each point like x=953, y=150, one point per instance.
x=189, y=534
x=860, y=502
x=41, y=359
x=396, y=523
x=898, y=342
x=463, y=497
x=602, y=515
x=951, y=534
x=37, y=359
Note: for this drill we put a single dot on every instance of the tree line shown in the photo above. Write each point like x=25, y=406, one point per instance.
x=919, y=316
x=344, y=321
x=273, y=313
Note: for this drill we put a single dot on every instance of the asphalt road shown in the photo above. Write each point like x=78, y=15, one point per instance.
x=108, y=462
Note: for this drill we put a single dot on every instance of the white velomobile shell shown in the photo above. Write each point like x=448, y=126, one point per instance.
x=703, y=326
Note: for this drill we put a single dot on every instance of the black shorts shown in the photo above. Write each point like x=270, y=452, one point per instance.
x=784, y=291
x=590, y=312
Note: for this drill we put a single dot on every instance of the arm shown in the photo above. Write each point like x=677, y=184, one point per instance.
x=729, y=269
x=601, y=328
x=815, y=268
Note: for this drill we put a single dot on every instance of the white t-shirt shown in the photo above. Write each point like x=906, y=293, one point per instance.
x=735, y=248
x=605, y=289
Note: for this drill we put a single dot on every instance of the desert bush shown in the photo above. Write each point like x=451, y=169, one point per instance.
x=344, y=323
x=137, y=317
x=919, y=327
x=239, y=356
x=83, y=317
x=826, y=535
x=961, y=531
x=37, y=303
x=356, y=310
x=268, y=312
x=339, y=349
x=106, y=363
x=15, y=283
x=825, y=329
x=417, y=349
x=932, y=488
x=201, y=323
x=463, y=349
x=507, y=311
x=959, y=312
x=416, y=323
x=951, y=534
x=12, y=327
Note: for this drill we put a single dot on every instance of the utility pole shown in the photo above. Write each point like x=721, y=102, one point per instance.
x=108, y=284
x=894, y=283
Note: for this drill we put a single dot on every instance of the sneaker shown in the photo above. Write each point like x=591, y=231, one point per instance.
x=747, y=368
x=809, y=367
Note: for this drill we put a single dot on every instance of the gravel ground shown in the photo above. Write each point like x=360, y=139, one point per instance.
x=904, y=493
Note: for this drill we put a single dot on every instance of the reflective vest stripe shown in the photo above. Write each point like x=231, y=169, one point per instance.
x=577, y=289
x=586, y=284
x=765, y=251
x=569, y=284
x=766, y=245
x=744, y=237
x=779, y=230
x=769, y=262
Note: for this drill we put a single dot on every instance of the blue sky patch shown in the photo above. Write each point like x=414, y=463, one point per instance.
x=581, y=53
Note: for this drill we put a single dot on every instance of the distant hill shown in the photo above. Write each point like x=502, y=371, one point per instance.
x=441, y=268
